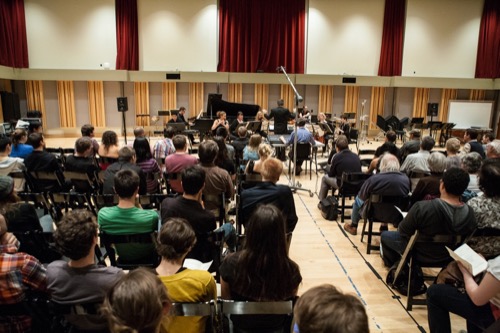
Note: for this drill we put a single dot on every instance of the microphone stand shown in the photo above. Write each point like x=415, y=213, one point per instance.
x=295, y=186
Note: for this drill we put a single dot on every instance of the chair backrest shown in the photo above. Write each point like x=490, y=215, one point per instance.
x=82, y=317
x=82, y=182
x=303, y=150
x=192, y=309
x=382, y=208
x=351, y=182
x=256, y=308
x=105, y=200
x=366, y=156
x=123, y=245
x=152, y=201
x=44, y=181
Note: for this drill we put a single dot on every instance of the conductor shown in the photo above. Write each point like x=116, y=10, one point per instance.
x=281, y=116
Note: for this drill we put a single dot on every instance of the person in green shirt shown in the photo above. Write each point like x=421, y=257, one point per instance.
x=127, y=218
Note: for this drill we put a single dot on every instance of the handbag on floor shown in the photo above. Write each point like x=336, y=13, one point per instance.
x=329, y=208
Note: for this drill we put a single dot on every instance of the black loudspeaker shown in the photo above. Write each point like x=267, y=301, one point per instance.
x=10, y=106
x=432, y=109
x=122, y=104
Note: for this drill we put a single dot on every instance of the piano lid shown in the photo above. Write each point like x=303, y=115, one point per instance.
x=215, y=103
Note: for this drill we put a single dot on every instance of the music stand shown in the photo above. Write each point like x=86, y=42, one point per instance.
x=178, y=127
x=204, y=127
x=434, y=126
x=325, y=128
x=254, y=126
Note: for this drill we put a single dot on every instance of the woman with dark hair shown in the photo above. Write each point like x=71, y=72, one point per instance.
x=487, y=209
x=175, y=241
x=108, y=148
x=222, y=160
x=147, y=163
x=262, y=271
x=19, y=147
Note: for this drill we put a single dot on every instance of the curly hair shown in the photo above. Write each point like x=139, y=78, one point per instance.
x=109, y=138
x=489, y=177
x=75, y=234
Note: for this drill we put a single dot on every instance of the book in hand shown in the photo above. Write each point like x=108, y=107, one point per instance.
x=469, y=258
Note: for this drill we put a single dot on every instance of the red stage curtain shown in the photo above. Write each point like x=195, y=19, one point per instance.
x=488, y=50
x=260, y=35
x=391, y=53
x=13, y=42
x=127, y=35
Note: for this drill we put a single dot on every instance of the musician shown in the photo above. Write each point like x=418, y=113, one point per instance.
x=303, y=136
x=182, y=119
x=234, y=125
x=345, y=128
x=328, y=124
x=263, y=124
x=306, y=114
x=220, y=121
x=174, y=118
x=281, y=116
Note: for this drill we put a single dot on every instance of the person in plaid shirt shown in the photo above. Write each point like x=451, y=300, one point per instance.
x=164, y=147
x=18, y=272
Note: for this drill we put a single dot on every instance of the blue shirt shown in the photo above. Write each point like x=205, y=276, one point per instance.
x=303, y=136
x=21, y=150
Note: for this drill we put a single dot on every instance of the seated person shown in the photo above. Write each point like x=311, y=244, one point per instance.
x=303, y=136
x=268, y=192
x=175, y=163
x=487, y=209
x=453, y=156
x=445, y=215
x=428, y=187
x=326, y=309
x=82, y=160
x=35, y=127
x=19, y=147
x=471, y=143
x=88, y=132
x=471, y=163
x=109, y=148
x=388, y=146
x=250, y=151
x=390, y=181
x=265, y=247
x=222, y=160
x=41, y=160
x=137, y=303
x=255, y=167
x=478, y=305
x=165, y=146
x=221, y=121
x=80, y=280
x=175, y=241
x=418, y=161
x=234, y=125
x=223, y=133
x=10, y=164
x=411, y=146
x=21, y=274
x=148, y=164
x=241, y=142
x=190, y=207
x=126, y=160
x=126, y=218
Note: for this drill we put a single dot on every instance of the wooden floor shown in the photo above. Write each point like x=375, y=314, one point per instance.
x=326, y=254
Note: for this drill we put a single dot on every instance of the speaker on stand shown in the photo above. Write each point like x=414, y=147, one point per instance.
x=122, y=104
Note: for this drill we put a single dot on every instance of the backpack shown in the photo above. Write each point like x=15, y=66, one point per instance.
x=329, y=208
x=418, y=286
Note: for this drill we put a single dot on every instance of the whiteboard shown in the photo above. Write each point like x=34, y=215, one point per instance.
x=466, y=114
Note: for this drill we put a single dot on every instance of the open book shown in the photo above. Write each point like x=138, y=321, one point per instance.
x=469, y=258
x=196, y=264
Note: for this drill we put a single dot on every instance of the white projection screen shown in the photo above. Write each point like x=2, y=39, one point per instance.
x=465, y=114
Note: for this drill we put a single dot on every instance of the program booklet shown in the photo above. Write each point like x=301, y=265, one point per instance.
x=469, y=258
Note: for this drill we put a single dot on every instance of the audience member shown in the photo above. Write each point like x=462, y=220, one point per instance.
x=250, y=151
x=148, y=164
x=88, y=132
x=303, y=136
x=493, y=149
x=82, y=160
x=388, y=146
x=255, y=167
x=471, y=143
x=217, y=180
x=175, y=241
x=224, y=133
x=139, y=132
x=126, y=217
x=164, y=147
x=190, y=207
x=326, y=309
x=35, y=127
x=478, y=305
x=175, y=163
x=268, y=192
x=137, y=303
x=10, y=164
x=109, y=147
x=79, y=280
x=343, y=161
x=222, y=160
x=240, y=142
x=251, y=274
x=21, y=274
x=445, y=215
x=126, y=161
x=19, y=147
x=39, y=159
x=411, y=146
x=471, y=163
x=428, y=187
x=487, y=209
x=487, y=138
x=281, y=117
x=453, y=156
x=417, y=162
x=391, y=182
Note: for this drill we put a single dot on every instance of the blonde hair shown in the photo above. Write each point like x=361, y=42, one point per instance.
x=220, y=114
x=271, y=169
x=254, y=142
x=453, y=145
x=264, y=150
x=137, y=303
x=259, y=115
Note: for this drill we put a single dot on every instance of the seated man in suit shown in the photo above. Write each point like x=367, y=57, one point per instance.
x=126, y=217
x=390, y=181
x=234, y=125
x=126, y=160
x=268, y=192
x=445, y=215
x=80, y=280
